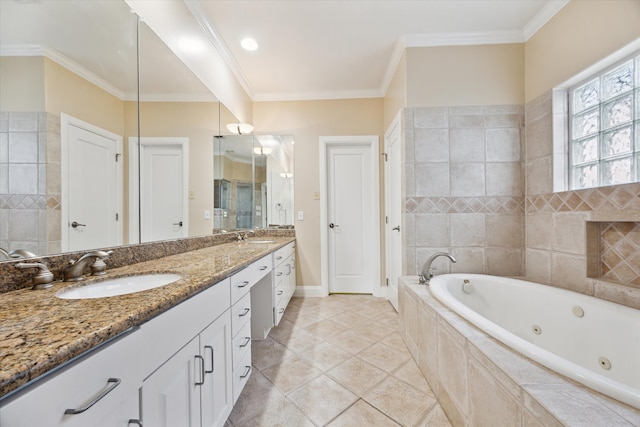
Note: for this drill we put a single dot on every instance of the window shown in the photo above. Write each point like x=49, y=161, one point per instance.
x=604, y=118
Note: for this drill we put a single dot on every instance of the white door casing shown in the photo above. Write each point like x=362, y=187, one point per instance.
x=164, y=189
x=91, y=186
x=393, y=208
x=349, y=189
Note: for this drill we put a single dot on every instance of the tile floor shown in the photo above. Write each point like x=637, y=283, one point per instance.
x=336, y=361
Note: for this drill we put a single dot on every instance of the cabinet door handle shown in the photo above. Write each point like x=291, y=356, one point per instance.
x=208, y=347
x=201, y=382
x=279, y=273
x=278, y=257
x=111, y=384
x=246, y=372
x=263, y=268
x=281, y=311
x=246, y=342
x=245, y=312
x=243, y=284
x=136, y=422
x=280, y=292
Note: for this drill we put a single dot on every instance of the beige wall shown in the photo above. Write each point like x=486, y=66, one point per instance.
x=582, y=33
x=465, y=75
x=307, y=121
x=66, y=92
x=396, y=97
x=22, y=83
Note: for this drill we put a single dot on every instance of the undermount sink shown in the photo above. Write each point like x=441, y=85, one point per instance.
x=119, y=286
x=261, y=241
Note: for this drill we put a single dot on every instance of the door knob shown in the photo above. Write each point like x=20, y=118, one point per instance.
x=397, y=228
x=76, y=224
x=179, y=224
x=332, y=225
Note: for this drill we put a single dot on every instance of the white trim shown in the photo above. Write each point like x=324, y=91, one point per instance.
x=66, y=121
x=309, y=292
x=320, y=95
x=547, y=12
x=134, y=184
x=393, y=127
x=372, y=142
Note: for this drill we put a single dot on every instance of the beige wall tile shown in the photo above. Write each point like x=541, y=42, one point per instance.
x=504, y=262
x=538, y=230
x=504, y=230
x=431, y=145
x=469, y=260
x=467, y=179
x=504, y=179
x=539, y=139
x=432, y=230
x=503, y=145
x=428, y=348
x=490, y=404
x=452, y=370
x=432, y=179
x=430, y=117
x=467, y=229
x=538, y=265
x=570, y=272
x=467, y=145
x=569, y=232
x=538, y=178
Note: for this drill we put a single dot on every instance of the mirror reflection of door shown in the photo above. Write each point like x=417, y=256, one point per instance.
x=244, y=203
x=92, y=185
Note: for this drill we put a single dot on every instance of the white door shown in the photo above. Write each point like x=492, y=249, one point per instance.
x=91, y=186
x=164, y=183
x=352, y=214
x=393, y=208
x=171, y=395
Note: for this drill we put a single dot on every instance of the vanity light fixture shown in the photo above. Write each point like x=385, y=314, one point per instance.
x=249, y=44
x=240, y=128
x=262, y=151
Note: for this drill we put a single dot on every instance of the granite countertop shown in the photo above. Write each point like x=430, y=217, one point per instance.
x=39, y=331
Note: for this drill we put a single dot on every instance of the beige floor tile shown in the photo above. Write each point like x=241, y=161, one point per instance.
x=291, y=373
x=283, y=414
x=400, y=401
x=362, y=414
x=351, y=341
x=256, y=398
x=435, y=418
x=357, y=375
x=410, y=373
x=285, y=327
x=373, y=330
x=326, y=328
x=322, y=399
x=394, y=340
x=385, y=357
x=267, y=352
x=299, y=340
x=325, y=356
x=348, y=319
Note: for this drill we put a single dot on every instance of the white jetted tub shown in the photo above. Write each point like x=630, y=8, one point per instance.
x=592, y=341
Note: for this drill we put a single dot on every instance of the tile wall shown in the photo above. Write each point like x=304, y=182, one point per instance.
x=30, y=182
x=556, y=244
x=464, y=191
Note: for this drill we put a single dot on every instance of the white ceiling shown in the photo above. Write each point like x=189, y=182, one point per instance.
x=309, y=49
x=312, y=49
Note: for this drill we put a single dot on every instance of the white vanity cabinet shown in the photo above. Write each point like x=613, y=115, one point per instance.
x=284, y=279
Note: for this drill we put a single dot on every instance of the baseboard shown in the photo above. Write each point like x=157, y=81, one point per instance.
x=309, y=291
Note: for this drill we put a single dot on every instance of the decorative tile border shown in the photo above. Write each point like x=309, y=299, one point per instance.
x=620, y=252
x=614, y=198
x=490, y=205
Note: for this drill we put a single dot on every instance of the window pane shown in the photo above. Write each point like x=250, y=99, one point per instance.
x=585, y=150
x=638, y=103
x=586, y=96
x=585, y=176
x=616, y=171
x=617, y=142
x=617, y=112
x=585, y=124
x=618, y=81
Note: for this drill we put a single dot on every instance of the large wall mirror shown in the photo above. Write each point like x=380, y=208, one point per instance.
x=71, y=110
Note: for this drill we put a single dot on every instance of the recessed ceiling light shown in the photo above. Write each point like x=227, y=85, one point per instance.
x=249, y=44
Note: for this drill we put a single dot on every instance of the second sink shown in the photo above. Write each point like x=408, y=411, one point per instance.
x=119, y=286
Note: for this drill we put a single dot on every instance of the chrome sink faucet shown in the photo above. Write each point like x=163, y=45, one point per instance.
x=427, y=270
x=74, y=272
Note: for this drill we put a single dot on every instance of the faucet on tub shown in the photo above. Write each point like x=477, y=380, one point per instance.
x=427, y=270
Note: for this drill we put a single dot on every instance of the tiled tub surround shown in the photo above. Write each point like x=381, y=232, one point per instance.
x=556, y=246
x=463, y=188
x=479, y=382
x=30, y=182
x=39, y=331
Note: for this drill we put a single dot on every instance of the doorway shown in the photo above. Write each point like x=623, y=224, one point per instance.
x=91, y=186
x=350, y=214
x=163, y=189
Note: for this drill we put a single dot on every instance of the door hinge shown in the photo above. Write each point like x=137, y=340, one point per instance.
x=117, y=216
x=118, y=156
x=386, y=157
x=387, y=280
x=386, y=220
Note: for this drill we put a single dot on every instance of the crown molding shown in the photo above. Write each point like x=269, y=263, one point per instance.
x=200, y=15
x=318, y=96
x=546, y=13
x=177, y=97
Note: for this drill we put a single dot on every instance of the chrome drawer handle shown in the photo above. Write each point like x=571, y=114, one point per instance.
x=279, y=273
x=281, y=311
x=243, y=284
x=263, y=268
x=246, y=372
x=213, y=362
x=114, y=382
x=246, y=342
x=136, y=422
x=280, y=292
x=278, y=257
x=246, y=311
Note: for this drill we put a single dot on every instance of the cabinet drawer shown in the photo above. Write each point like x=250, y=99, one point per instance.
x=241, y=376
x=281, y=254
x=241, y=345
x=240, y=314
x=109, y=372
x=242, y=281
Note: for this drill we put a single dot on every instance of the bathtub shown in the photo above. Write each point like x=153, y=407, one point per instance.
x=592, y=341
